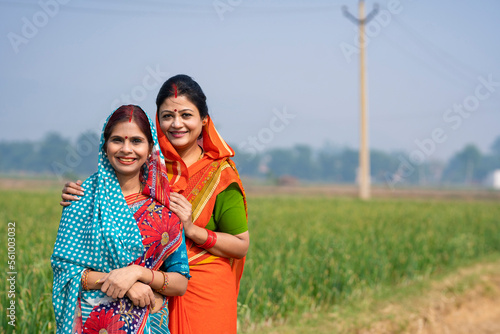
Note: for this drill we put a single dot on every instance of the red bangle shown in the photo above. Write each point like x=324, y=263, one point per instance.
x=208, y=241
x=211, y=240
x=152, y=279
x=214, y=239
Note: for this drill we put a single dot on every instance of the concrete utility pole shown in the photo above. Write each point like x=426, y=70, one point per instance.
x=364, y=152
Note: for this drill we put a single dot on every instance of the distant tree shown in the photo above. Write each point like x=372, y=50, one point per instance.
x=462, y=167
x=282, y=162
x=338, y=165
x=489, y=163
x=85, y=153
x=349, y=162
x=382, y=164
x=53, y=151
x=434, y=170
x=486, y=165
x=495, y=147
x=247, y=163
x=329, y=165
x=17, y=156
x=305, y=167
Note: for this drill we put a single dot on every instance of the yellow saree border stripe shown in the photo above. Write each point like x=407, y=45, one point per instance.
x=207, y=191
x=194, y=257
x=209, y=259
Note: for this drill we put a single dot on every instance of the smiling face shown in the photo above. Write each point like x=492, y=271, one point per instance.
x=180, y=121
x=127, y=149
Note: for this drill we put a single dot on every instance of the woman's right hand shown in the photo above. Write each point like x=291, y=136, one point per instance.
x=183, y=209
x=69, y=190
x=141, y=295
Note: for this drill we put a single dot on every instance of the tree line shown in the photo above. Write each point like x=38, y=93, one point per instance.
x=51, y=156
x=469, y=166
x=59, y=156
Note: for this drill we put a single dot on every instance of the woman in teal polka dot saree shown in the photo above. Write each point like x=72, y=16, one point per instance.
x=120, y=251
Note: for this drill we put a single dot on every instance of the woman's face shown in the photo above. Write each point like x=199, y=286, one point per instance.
x=127, y=149
x=180, y=121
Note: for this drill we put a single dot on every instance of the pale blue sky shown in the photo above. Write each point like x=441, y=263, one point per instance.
x=255, y=60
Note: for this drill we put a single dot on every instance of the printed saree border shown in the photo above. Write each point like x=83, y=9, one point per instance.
x=207, y=191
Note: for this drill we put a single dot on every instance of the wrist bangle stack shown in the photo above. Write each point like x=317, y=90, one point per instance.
x=85, y=278
x=211, y=240
x=153, y=278
x=165, y=282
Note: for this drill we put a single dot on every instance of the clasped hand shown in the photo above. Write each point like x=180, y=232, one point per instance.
x=117, y=282
x=125, y=281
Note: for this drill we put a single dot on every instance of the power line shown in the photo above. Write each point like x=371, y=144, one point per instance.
x=113, y=10
x=452, y=77
x=158, y=9
x=439, y=55
x=461, y=65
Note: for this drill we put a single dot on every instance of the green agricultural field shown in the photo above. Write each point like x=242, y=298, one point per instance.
x=306, y=254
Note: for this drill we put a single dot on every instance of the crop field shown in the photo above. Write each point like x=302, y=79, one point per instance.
x=306, y=254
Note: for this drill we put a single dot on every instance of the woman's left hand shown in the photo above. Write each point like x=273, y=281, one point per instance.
x=183, y=209
x=117, y=282
x=158, y=303
x=141, y=295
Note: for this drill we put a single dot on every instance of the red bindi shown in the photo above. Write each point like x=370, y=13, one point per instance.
x=175, y=109
x=126, y=137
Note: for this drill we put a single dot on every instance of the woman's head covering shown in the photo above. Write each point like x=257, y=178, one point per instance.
x=214, y=148
x=99, y=231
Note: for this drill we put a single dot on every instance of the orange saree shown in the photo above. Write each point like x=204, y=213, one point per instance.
x=210, y=302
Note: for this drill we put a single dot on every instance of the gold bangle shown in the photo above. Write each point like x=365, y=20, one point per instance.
x=84, y=280
x=165, y=282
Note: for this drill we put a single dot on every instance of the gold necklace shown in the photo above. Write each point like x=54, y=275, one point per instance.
x=201, y=155
x=140, y=192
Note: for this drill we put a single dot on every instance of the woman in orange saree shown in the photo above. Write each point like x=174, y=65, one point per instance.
x=210, y=202
x=212, y=208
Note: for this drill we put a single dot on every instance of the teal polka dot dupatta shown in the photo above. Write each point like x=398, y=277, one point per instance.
x=100, y=232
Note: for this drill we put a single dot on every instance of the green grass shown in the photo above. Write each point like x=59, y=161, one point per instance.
x=36, y=215
x=309, y=253
x=305, y=254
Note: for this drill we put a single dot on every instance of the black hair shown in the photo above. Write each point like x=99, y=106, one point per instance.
x=183, y=85
x=128, y=113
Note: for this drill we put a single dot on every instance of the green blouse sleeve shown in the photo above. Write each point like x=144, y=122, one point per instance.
x=229, y=212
